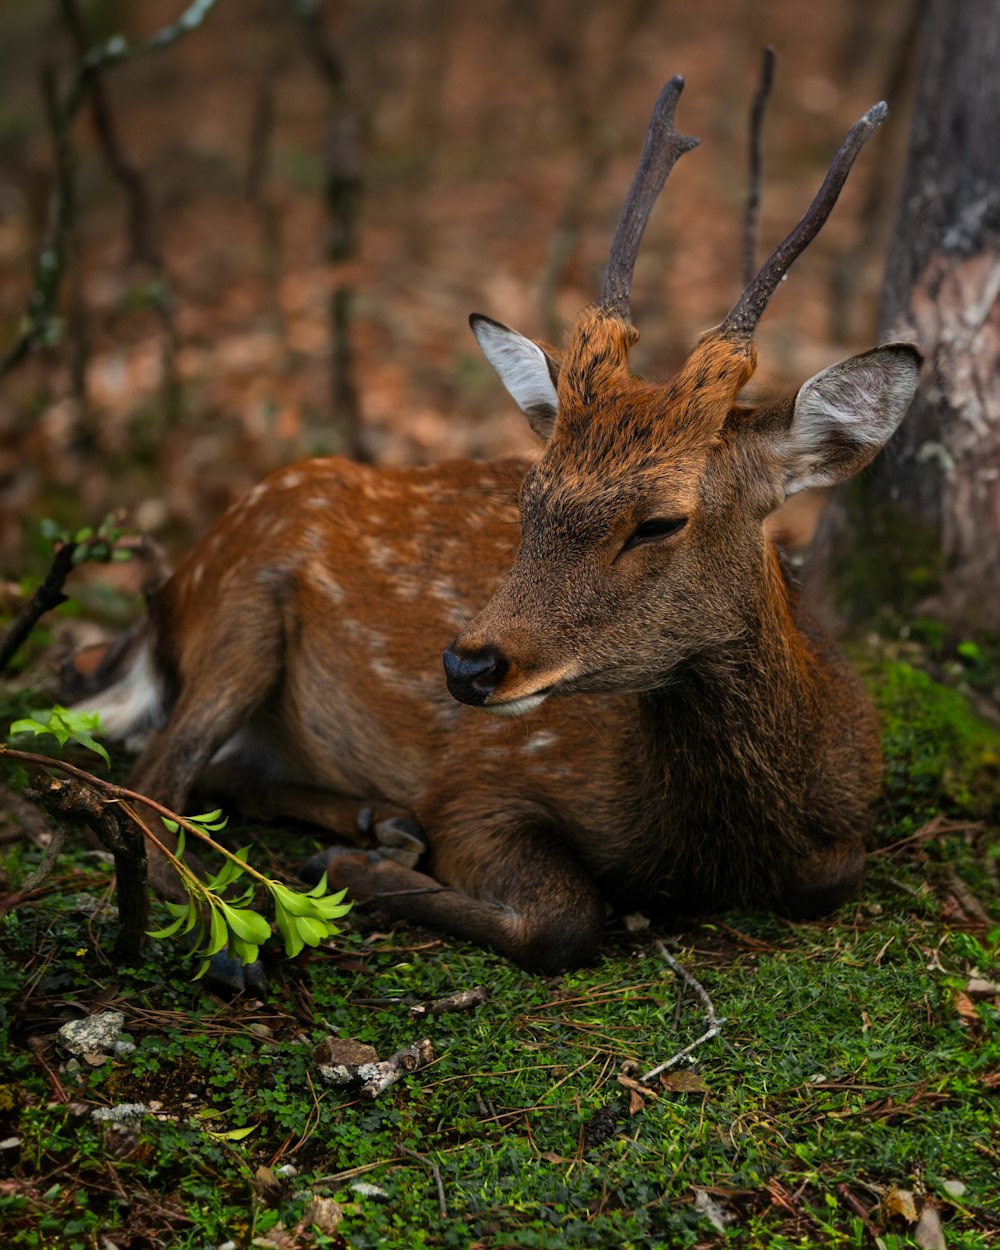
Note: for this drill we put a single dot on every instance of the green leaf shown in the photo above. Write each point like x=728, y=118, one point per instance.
x=312, y=931
x=218, y=933
x=246, y=924
x=294, y=941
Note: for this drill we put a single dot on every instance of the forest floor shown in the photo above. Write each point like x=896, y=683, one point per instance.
x=849, y=1098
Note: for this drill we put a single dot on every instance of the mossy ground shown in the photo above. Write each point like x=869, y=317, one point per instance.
x=854, y=1067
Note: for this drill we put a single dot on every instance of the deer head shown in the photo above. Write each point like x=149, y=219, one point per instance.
x=642, y=523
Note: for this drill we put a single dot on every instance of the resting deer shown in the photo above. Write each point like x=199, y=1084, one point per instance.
x=686, y=736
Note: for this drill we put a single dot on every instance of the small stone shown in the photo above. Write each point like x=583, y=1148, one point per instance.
x=365, y=1189
x=94, y=1034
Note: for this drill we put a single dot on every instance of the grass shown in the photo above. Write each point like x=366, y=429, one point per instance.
x=855, y=1067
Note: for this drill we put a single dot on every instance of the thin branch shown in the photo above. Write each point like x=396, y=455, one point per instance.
x=142, y=243
x=436, y=1173
x=52, y=852
x=39, y=322
x=714, y=1022
x=751, y=215
x=343, y=200
x=49, y=595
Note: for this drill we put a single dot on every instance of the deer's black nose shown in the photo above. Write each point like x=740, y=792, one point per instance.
x=472, y=678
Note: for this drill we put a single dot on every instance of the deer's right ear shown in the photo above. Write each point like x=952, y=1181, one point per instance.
x=529, y=374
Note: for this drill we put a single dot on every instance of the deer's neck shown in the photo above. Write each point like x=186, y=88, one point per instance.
x=737, y=724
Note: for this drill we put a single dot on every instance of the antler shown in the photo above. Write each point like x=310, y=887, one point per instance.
x=662, y=149
x=742, y=319
x=756, y=160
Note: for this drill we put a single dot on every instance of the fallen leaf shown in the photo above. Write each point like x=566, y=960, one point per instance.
x=965, y=1007
x=713, y=1211
x=636, y=1102
x=550, y=1156
x=684, y=1082
x=324, y=1213
x=900, y=1203
x=928, y=1234
x=979, y=987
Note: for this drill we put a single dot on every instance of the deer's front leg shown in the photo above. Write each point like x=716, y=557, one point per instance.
x=501, y=883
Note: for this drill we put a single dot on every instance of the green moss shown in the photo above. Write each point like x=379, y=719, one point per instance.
x=887, y=561
x=940, y=756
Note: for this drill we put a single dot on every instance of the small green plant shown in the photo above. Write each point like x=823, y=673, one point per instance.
x=99, y=544
x=302, y=918
x=64, y=725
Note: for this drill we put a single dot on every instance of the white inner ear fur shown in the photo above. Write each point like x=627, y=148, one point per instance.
x=846, y=414
x=522, y=368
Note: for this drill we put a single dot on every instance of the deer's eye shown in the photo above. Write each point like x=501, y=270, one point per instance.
x=654, y=530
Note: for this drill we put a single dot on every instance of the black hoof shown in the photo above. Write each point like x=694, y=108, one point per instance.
x=312, y=870
x=228, y=975
x=401, y=840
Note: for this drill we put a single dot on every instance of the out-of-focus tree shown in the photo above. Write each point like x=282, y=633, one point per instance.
x=928, y=515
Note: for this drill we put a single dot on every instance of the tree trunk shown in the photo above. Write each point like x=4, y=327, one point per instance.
x=924, y=524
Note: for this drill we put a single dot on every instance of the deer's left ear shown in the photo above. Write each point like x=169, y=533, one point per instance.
x=843, y=416
x=529, y=373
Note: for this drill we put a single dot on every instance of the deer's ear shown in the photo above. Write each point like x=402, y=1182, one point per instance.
x=529, y=373
x=843, y=416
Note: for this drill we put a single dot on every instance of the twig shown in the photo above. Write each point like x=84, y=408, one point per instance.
x=38, y=325
x=714, y=1022
x=52, y=852
x=464, y=1000
x=379, y=1075
x=751, y=214
x=141, y=241
x=49, y=595
x=76, y=800
x=436, y=1173
x=343, y=200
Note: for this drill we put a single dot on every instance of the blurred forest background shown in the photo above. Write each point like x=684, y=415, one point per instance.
x=280, y=222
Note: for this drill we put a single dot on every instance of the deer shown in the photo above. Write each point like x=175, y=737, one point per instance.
x=637, y=709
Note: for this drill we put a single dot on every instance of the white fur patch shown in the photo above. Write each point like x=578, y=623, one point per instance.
x=515, y=707
x=134, y=703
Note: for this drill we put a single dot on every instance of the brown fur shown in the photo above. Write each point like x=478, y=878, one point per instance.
x=715, y=751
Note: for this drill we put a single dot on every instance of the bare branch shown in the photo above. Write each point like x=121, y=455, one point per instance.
x=751, y=215
x=741, y=321
x=49, y=595
x=40, y=317
x=661, y=151
x=714, y=1023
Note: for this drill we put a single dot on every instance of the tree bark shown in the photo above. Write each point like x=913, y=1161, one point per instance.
x=926, y=518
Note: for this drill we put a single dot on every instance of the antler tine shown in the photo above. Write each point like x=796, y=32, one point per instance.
x=742, y=319
x=756, y=161
x=663, y=147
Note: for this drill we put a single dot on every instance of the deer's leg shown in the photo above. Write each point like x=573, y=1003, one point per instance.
x=510, y=886
x=206, y=714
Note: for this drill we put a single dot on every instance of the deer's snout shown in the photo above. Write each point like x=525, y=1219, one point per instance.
x=474, y=675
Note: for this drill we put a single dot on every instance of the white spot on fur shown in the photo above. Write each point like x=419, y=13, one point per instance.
x=539, y=741
x=291, y=479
